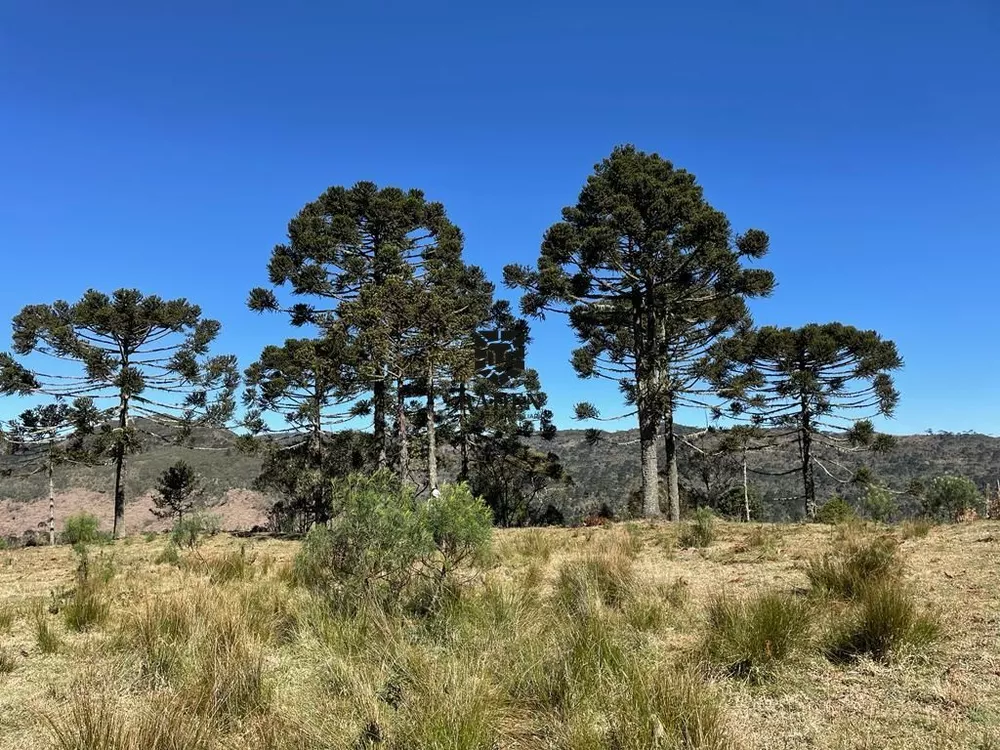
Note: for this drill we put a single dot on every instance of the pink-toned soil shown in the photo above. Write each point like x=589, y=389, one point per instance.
x=237, y=510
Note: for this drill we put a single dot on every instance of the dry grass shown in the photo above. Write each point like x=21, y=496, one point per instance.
x=575, y=639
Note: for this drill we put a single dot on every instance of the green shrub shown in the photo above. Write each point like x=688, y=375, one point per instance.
x=879, y=503
x=169, y=555
x=879, y=624
x=189, y=530
x=701, y=531
x=835, y=510
x=749, y=639
x=854, y=564
x=460, y=525
x=83, y=528
x=370, y=549
x=949, y=497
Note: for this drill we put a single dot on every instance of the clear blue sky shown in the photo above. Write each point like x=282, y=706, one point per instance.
x=166, y=145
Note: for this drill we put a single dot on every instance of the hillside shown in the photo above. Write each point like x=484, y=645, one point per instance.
x=606, y=472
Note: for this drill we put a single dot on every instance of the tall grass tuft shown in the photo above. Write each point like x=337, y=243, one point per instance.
x=750, y=639
x=7, y=661
x=47, y=639
x=855, y=563
x=585, y=584
x=661, y=708
x=160, y=633
x=882, y=622
x=7, y=616
x=700, y=532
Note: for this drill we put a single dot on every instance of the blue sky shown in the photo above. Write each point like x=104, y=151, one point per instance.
x=165, y=146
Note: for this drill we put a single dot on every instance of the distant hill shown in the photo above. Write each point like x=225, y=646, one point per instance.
x=606, y=472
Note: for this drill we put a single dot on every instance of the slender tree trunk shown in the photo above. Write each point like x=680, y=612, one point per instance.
x=670, y=449
x=808, y=481
x=432, y=469
x=463, y=437
x=52, y=504
x=378, y=404
x=746, y=489
x=403, y=437
x=120, y=453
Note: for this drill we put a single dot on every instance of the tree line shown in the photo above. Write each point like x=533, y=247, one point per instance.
x=653, y=281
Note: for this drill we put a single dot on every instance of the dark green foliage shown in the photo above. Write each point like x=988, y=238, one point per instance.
x=750, y=639
x=879, y=503
x=854, y=564
x=649, y=275
x=948, y=497
x=147, y=354
x=816, y=386
x=460, y=526
x=884, y=620
x=177, y=490
x=82, y=528
x=835, y=510
x=700, y=532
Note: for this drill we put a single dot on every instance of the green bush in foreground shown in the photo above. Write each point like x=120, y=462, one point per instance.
x=751, y=638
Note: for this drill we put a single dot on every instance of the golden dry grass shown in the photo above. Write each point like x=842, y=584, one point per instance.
x=298, y=678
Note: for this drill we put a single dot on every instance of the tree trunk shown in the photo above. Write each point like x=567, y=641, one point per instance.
x=670, y=448
x=401, y=434
x=378, y=404
x=52, y=504
x=463, y=438
x=120, y=451
x=746, y=489
x=808, y=481
x=650, y=468
x=432, y=469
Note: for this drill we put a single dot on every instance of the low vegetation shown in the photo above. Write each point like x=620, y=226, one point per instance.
x=597, y=638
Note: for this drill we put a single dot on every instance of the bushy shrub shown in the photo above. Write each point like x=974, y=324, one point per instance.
x=701, y=531
x=750, y=638
x=190, y=530
x=854, y=564
x=880, y=623
x=380, y=538
x=835, y=510
x=460, y=525
x=879, y=503
x=949, y=497
x=83, y=528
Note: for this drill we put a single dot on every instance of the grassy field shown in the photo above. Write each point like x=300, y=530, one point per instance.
x=610, y=637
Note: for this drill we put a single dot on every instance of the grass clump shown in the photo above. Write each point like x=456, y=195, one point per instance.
x=836, y=510
x=83, y=528
x=88, y=606
x=918, y=528
x=227, y=675
x=7, y=615
x=159, y=633
x=750, y=639
x=701, y=531
x=663, y=708
x=884, y=620
x=7, y=661
x=594, y=581
x=855, y=563
x=48, y=640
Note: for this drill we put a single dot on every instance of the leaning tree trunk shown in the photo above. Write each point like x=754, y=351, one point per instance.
x=670, y=448
x=432, y=469
x=52, y=504
x=120, y=452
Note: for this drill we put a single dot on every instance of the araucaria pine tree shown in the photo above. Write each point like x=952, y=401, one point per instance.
x=818, y=385
x=359, y=255
x=650, y=275
x=177, y=490
x=136, y=356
